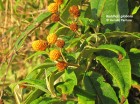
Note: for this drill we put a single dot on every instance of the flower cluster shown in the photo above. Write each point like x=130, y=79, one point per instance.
x=53, y=40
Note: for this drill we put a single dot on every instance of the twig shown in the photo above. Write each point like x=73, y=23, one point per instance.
x=63, y=56
x=75, y=65
x=63, y=24
x=4, y=79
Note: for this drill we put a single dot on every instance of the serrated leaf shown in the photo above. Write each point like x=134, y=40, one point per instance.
x=120, y=71
x=105, y=96
x=113, y=48
x=109, y=47
x=70, y=81
x=84, y=97
x=88, y=86
x=39, y=84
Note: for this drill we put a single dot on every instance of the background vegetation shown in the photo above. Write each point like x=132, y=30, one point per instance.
x=23, y=21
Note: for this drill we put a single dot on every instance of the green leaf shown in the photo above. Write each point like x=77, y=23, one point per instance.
x=34, y=74
x=97, y=7
x=53, y=27
x=50, y=84
x=30, y=28
x=84, y=97
x=32, y=96
x=109, y=47
x=44, y=65
x=70, y=81
x=63, y=31
x=87, y=22
x=118, y=34
x=121, y=9
x=117, y=8
x=120, y=71
x=114, y=48
x=37, y=101
x=135, y=10
x=36, y=54
x=73, y=42
x=135, y=61
x=1, y=5
x=50, y=101
x=46, y=101
x=88, y=85
x=105, y=93
x=85, y=100
x=39, y=84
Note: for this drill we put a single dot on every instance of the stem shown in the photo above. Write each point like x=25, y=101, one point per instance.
x=63, y=56
x=63, y=21
x=78, y=33
x=63, y=24
x=75, y=65
x=6, y=72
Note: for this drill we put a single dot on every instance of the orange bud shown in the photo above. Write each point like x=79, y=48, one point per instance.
x=60, y=43
x=39, y=45
x=74, y=11
x=73, y=27
x=55, y=18
x=55, y=54
x=61, y=65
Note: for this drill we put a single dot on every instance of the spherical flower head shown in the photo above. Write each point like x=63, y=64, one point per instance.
x=59, y=2
x=54, y=54
x=74, y=11
x=39, y=45
x=73, y=27
x=60, y=43
x=53, y=8
x=61, y=65
x=52, y=38
x=55, y=18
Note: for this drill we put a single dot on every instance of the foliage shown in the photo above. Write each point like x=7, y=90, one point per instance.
x=96, y=61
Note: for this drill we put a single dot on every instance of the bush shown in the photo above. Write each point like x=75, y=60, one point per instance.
x=89, y=55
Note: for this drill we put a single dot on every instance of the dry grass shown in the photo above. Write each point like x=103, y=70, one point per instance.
x=15, y=17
